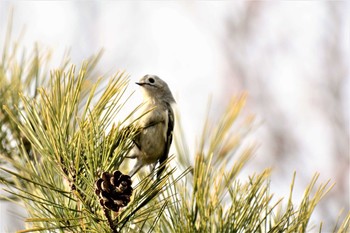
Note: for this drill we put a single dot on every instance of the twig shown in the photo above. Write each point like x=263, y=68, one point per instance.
x=109, y=219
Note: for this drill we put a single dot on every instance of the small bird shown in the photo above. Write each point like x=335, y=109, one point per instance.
x=152, y=143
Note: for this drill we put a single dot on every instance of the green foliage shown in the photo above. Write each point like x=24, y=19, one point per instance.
x=214, y=199
x=58, y=135
x=56, y=144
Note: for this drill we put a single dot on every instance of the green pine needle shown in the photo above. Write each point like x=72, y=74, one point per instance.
x=58, y=135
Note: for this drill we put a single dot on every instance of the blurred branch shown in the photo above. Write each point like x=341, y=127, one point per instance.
x=332, y=100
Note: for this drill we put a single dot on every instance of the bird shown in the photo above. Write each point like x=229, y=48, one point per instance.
x=153, y=141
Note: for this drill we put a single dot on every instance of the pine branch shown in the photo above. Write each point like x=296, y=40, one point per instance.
x=58, y=137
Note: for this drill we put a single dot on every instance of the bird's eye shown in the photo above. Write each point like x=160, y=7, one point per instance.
x=151, y=80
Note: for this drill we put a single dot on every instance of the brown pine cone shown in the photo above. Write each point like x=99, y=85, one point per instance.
x=114, y=190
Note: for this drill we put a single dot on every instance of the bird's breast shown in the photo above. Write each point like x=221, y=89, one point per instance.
x=153, y=142
x=154, y=134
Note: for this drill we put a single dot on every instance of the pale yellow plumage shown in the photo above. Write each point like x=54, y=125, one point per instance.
x=154, y=139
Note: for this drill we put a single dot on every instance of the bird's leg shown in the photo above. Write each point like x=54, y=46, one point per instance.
x=136, y=168
x=152, y=167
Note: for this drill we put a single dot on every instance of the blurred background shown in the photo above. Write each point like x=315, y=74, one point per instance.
x=292, y=58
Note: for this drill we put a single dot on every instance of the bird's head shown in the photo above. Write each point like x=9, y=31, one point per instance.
x=156, y=89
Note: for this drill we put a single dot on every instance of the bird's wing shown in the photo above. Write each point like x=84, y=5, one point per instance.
x=149, y=124
x=169, y=139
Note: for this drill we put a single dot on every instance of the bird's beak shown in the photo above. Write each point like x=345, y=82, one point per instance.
x=139, y=83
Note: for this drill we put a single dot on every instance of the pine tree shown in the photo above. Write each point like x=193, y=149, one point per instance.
x=61, y=152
